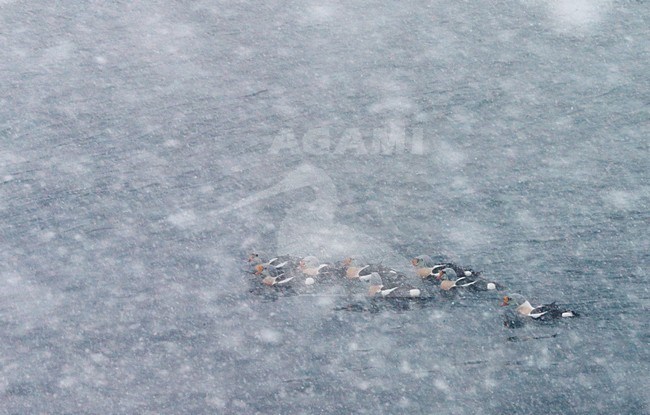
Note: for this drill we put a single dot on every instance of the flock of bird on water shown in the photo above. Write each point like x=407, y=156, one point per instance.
x=308, y=274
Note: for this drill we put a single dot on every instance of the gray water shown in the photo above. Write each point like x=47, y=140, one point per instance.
x=146, y=149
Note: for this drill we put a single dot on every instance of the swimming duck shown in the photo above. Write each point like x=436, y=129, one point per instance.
x=378, y=289
x=356, y=270
x=449, y=279
x=313, y=270
x=310, y=265
x=271, y=275
x=427, y=267
x=542, y=312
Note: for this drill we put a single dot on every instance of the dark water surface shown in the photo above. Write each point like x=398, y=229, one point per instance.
x=146, y=149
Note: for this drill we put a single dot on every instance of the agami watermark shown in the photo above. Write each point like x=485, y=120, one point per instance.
x=390, y=140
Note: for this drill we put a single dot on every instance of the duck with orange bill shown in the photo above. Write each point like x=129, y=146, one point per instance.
x=377, y=289
x=426, y=267
x=312, y=271
x=271, y=275
x=357, y=269
x=449, y=280
x=542, y=312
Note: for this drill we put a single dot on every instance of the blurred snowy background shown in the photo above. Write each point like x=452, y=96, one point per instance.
x=131, y=133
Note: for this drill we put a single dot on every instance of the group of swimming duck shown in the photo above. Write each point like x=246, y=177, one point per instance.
x=308, y=274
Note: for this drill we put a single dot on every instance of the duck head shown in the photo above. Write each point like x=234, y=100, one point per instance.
x=446, y=274
x=353, y=261
x=513, y=299
x=422, y=261
x=254, y=258
x=267, y=270
x=308, y=262
x=353, y=266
